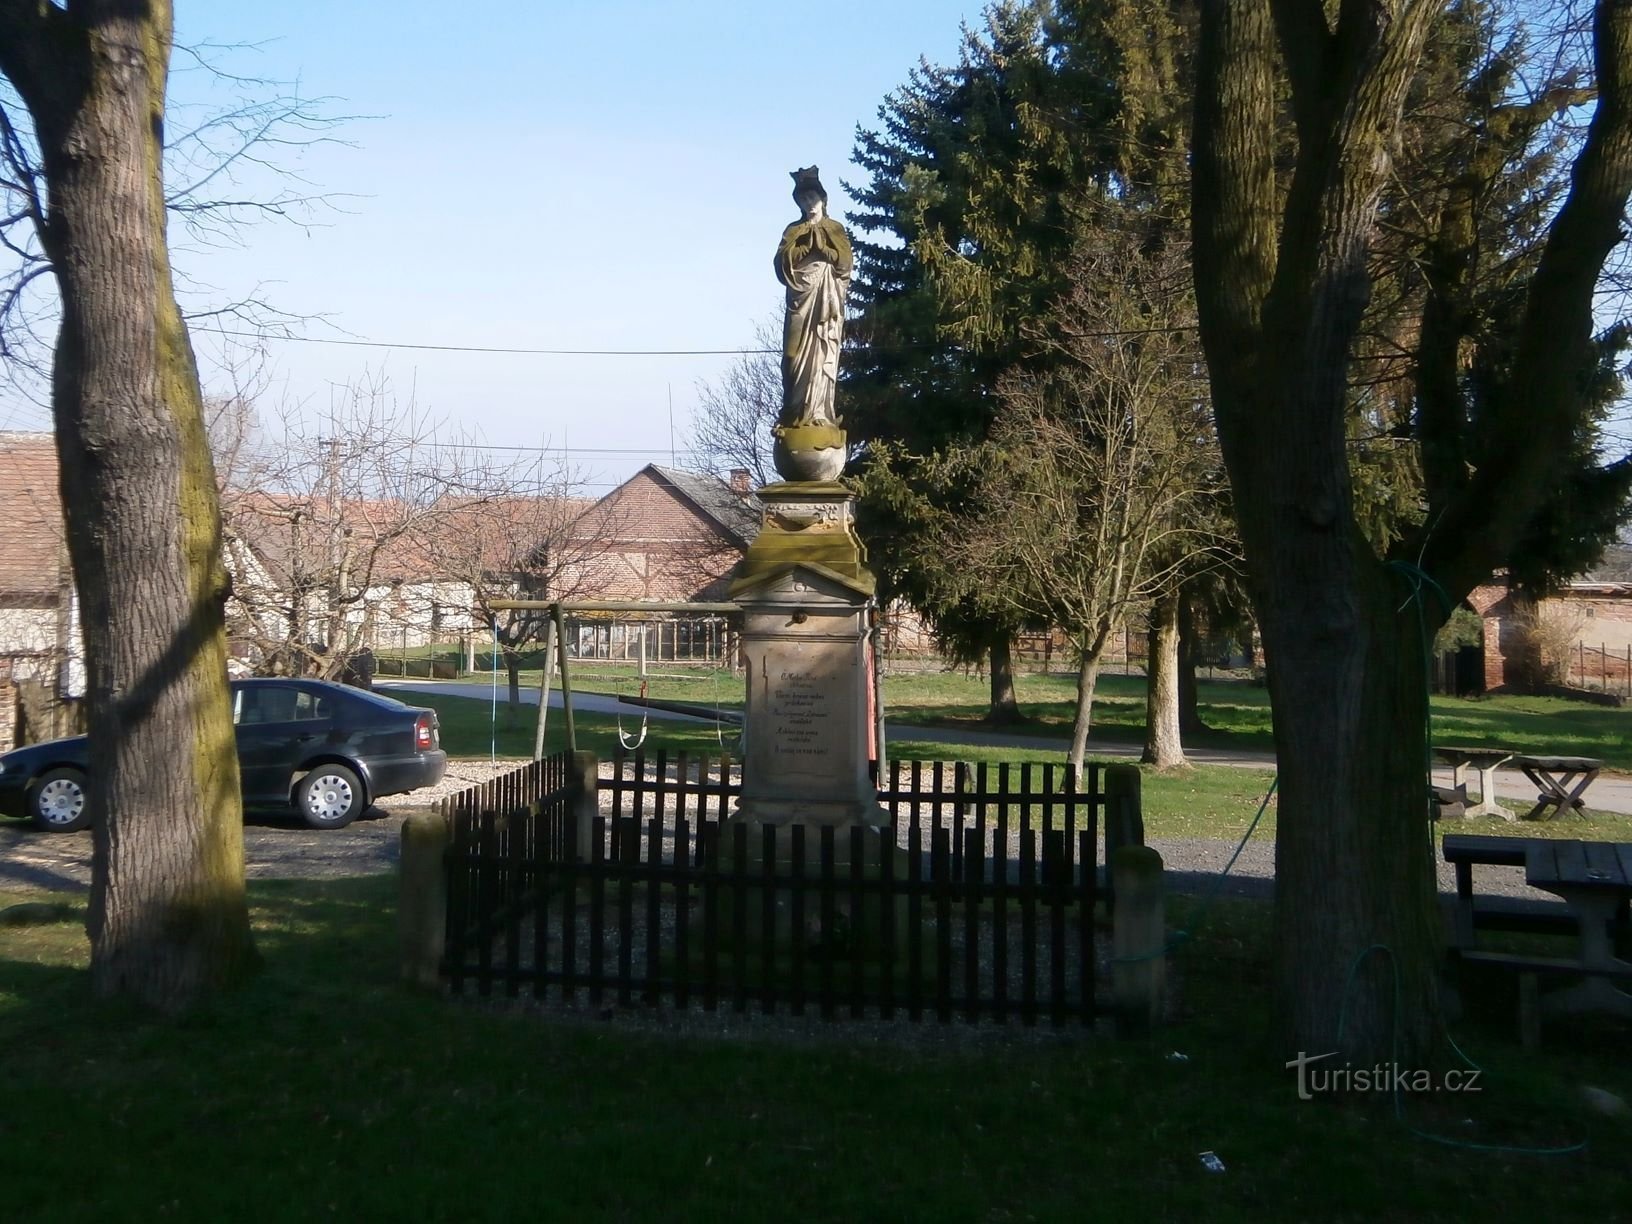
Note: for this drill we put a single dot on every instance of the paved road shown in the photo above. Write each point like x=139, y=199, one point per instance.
x=1608, y=794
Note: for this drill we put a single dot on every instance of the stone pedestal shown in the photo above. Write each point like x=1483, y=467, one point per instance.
x=806, y=594
x=806, y=598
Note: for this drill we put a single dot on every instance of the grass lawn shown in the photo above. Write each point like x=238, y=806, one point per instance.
x=1236, y=711
x=322, y=1089
x=1207, y=801
x=1213, y=801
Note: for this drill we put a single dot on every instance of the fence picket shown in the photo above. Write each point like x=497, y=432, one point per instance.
x=682, y=919
x=597, y=908
x=796, y=905
x=1028, y=926
x=886, y=907
x=767, y=919
x=940, y=873
x=654, y=910
x=739, y=916
x=973, y=869
x=711, y=922
x=857, y=924
x=1087, y=889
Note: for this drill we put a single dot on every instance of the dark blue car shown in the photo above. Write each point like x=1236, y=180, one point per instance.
x=327, y=749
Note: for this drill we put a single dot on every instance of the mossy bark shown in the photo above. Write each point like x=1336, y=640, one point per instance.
x=168, y=918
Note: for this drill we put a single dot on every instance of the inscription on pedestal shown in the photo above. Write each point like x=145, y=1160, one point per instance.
x=801, y=718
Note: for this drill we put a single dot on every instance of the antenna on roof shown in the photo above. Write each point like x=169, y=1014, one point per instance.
x=674, y=460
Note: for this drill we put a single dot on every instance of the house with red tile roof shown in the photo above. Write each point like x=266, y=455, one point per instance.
x=380, y=575
x=39, y=614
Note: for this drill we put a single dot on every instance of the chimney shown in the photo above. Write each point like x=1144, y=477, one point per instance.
x=739, y=481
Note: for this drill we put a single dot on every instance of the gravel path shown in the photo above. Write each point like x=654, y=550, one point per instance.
x=276, y=846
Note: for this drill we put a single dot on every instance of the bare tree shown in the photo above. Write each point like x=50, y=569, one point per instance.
x=229, y=162
x=731, y=426
x=336, y=524
x=1098, y=485
x=516, y=540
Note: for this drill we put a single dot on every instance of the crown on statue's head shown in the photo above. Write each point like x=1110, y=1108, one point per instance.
x=807, y=179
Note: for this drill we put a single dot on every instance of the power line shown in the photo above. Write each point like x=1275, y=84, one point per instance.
x=711, y=352
x=481, y=348
x=542, y=449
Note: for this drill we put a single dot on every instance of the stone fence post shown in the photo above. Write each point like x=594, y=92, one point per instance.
x=1138, y=940
x=1124, y=818
x=586, y=780
x=422, y=899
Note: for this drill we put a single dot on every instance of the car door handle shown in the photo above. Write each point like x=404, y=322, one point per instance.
x=307, y=735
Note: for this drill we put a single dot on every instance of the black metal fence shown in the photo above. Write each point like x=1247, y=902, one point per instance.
x=975, y=900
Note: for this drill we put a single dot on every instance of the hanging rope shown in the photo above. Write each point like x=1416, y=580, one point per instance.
x=719, y=723
x=629, y=745
x=493, y=723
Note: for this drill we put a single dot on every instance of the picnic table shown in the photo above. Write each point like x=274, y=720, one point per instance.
x=1483, y=761
x=1594, y=879
x=1556, y=781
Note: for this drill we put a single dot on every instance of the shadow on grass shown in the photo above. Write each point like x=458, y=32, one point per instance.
x=321, y=1087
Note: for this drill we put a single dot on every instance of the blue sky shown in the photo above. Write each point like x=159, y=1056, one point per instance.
x=608, y=175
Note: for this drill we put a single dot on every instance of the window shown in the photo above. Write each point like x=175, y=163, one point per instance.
x=276, y=703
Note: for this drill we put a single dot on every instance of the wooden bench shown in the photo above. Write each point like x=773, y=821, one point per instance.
x=1463, y=851
x=1524, y=962
x=1559, y=792
x=1529, y=970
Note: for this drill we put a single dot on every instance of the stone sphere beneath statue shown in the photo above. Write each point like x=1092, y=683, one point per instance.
x=818, y=463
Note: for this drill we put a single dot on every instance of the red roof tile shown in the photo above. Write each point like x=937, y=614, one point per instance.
x=31, y=539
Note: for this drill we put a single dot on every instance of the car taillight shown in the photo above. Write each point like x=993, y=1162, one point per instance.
x=422, y=732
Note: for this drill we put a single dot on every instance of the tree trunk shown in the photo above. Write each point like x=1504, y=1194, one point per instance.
x=1190, y=720
x=1087, y=681
x=1281, y=285
x=167, y=919
x=1005, y=708
x=512, y=671
x=1163, y=747
x=1354, y=846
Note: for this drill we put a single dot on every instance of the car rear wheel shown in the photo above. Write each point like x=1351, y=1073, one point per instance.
x=329, y=797
x=57, y=801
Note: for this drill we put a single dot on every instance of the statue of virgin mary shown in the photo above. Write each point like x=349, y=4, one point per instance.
x=813, y=261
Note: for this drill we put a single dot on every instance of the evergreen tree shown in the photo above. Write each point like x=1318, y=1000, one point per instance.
x=977, y=177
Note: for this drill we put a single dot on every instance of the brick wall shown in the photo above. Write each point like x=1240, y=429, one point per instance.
x=1603, y=628
x=1494, y=604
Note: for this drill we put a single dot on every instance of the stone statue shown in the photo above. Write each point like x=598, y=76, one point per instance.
x=814, y=262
